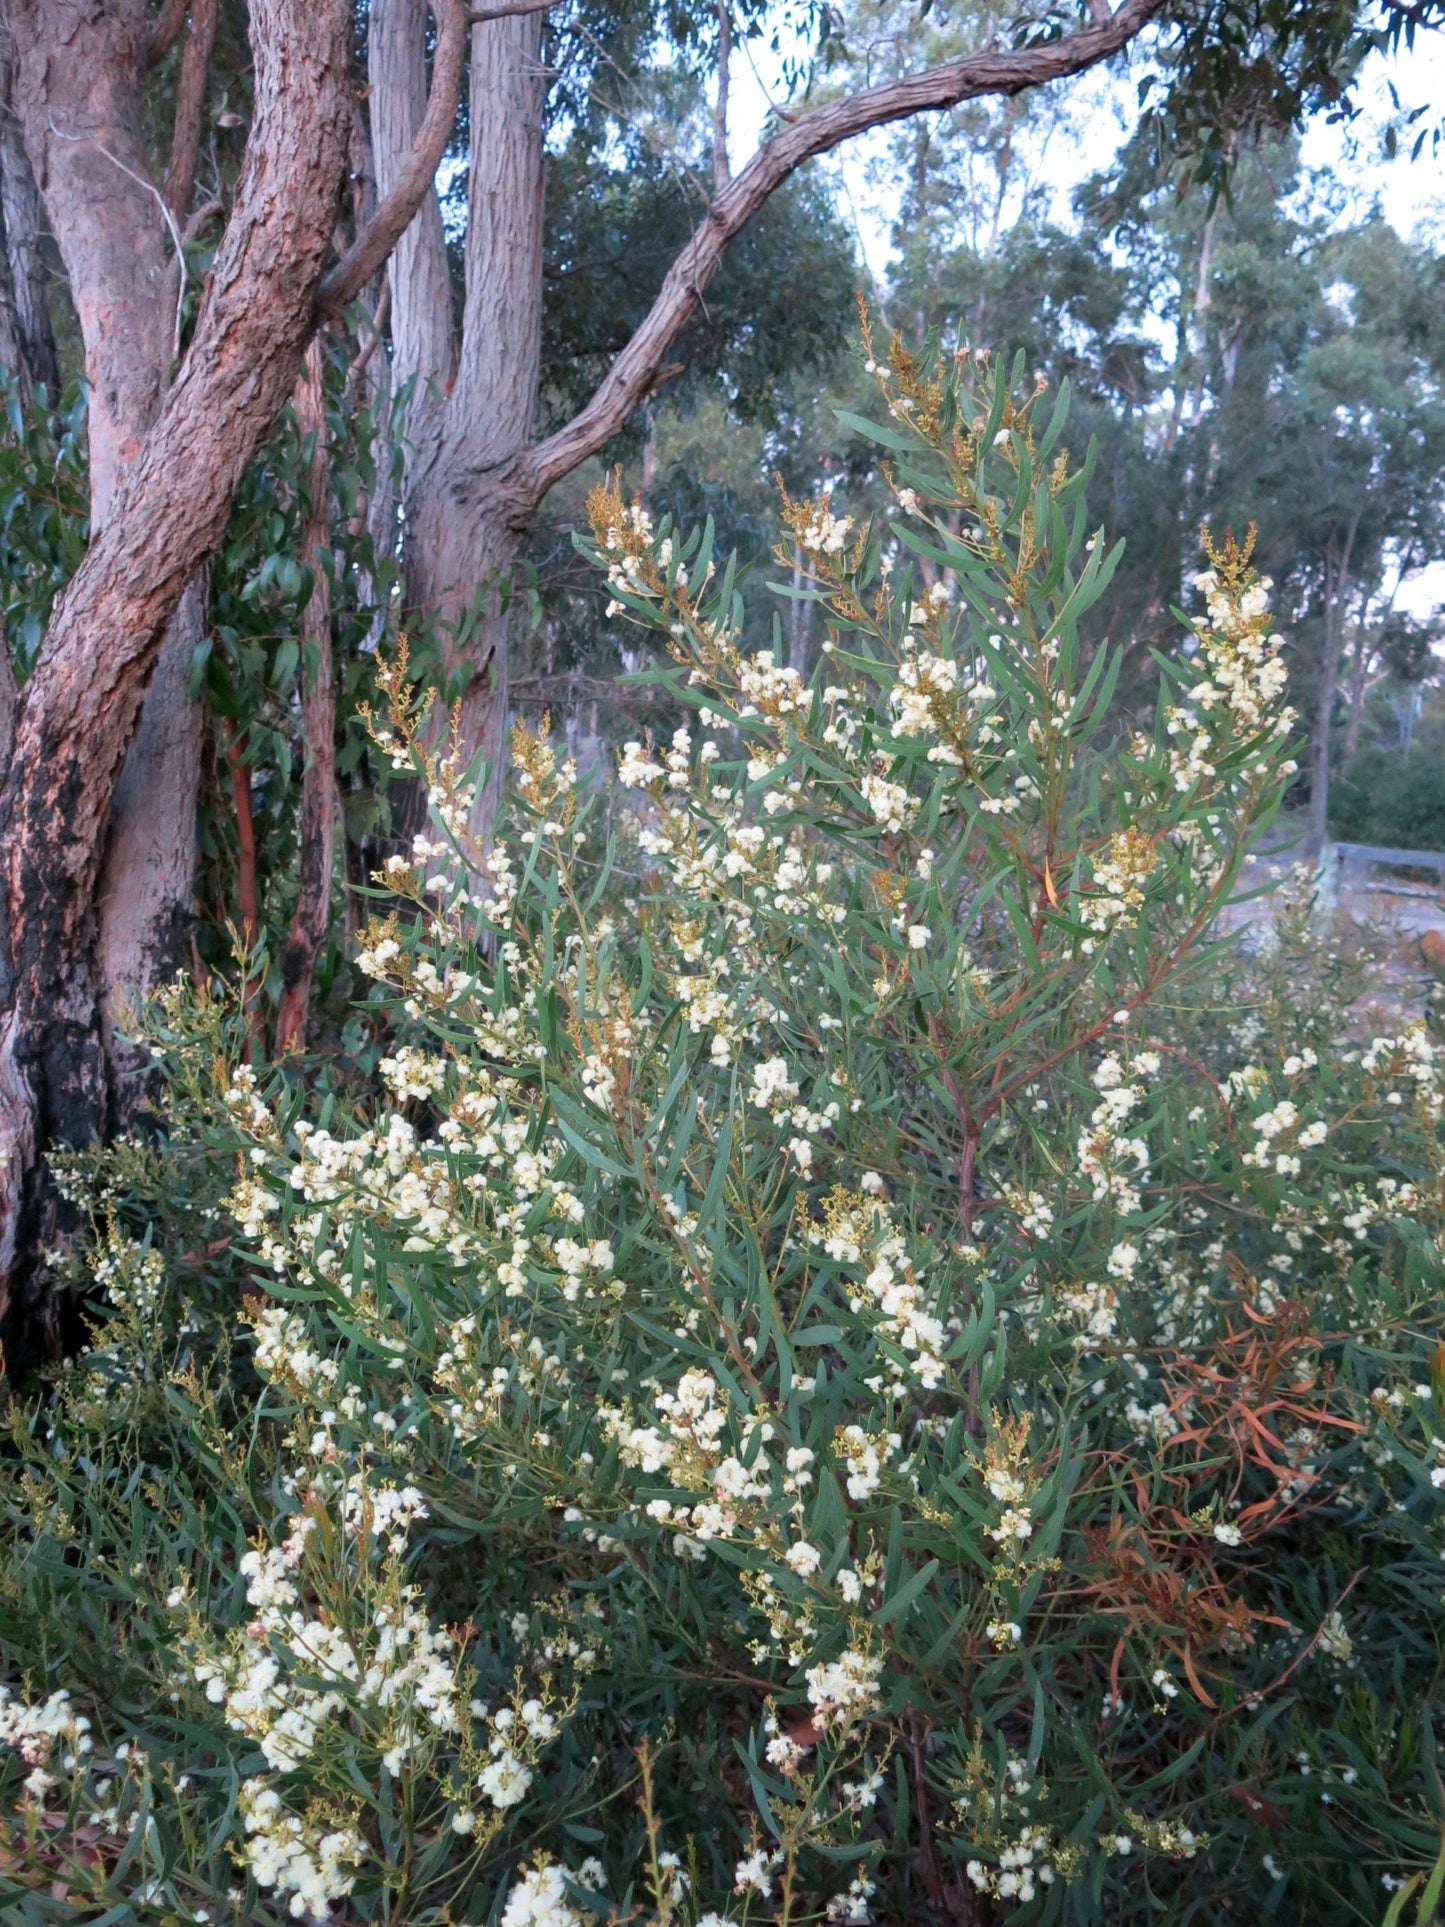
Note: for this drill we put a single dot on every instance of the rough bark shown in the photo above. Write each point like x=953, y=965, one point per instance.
x=146, y=899
x=317, y=857
x=170, y=498
x=80, y=89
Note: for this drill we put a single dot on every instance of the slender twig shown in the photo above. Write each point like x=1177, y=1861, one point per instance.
x=721, y=171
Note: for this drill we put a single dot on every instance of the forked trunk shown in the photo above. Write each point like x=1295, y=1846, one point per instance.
x=467, y=506
x=171, y=495
x=80, y=89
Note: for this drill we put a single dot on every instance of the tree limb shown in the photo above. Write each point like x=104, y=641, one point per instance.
x=633, y=373
x=720, y=168
x=165, y=30
x=394, y=215
x=479, y=15
x=180, y=178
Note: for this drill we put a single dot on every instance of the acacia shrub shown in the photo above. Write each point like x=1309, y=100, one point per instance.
x=824, y=1381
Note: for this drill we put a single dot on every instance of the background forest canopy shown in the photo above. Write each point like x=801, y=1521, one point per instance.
x=1272, y=356
x=1246, y=343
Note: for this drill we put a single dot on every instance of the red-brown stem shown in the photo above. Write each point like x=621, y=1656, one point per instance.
x=245, y=872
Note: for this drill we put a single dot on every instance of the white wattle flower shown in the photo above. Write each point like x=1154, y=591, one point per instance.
x=506, y=1778
x=636, y=770
x=539, y=1899
x=754, y=1874
x=773, y=1086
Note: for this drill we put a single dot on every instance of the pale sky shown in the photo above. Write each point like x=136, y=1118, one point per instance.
x=1411, y=194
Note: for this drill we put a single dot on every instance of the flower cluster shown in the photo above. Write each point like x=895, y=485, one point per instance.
x=787, y=1253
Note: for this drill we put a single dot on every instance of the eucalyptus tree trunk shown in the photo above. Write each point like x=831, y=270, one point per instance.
x=80, y=85
x=167, y=493
x=473, y=411
x=1339, y=548
x=475, y=477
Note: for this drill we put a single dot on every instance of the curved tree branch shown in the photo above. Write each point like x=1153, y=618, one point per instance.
x=165, y=30
x=394, y=216
x=634, y=372
x=479, y=15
